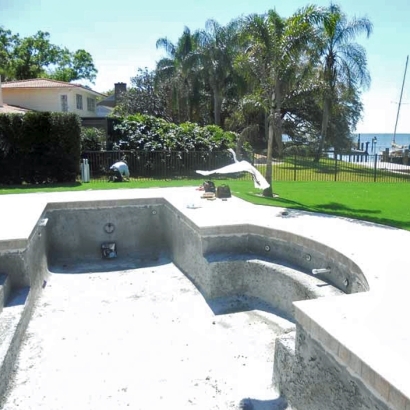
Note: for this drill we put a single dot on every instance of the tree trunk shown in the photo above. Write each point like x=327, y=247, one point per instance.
x=239, y=143
x=217, y=107
x=278, y=132
x=278, y=119
x=325, y=124
x=268, y=192
x=275, y=130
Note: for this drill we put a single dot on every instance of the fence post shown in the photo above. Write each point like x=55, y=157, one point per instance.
x=406, y=157
x=294, y=168
x=375, y=167
x=335, y=166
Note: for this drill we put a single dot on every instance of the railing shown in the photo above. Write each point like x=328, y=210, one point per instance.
x=348, y=168
x=156, y=164
x=296, y=167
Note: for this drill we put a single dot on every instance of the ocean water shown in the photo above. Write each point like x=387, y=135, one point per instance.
x=383, y=141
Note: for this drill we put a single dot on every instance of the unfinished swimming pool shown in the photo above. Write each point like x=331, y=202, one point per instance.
x=268, y=264
x=246, y=265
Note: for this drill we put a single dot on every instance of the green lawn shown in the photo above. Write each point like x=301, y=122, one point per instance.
x=384, y=203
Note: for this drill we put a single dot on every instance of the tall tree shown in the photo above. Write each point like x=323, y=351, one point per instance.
x=7, y=43
x=74, y=66
x=275, y=47
x=177, y=70
x=218, y=48
x=343, y=60
x=35, y=56
x=32, y=55
x=346, y=112
x=143, y=97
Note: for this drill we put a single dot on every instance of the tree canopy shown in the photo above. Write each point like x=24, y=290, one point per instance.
x=23, y=58
x=263, y=75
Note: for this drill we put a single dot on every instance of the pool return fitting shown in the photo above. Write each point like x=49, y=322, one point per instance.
x=321, y=271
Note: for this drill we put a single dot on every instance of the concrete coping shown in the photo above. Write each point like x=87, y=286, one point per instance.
x=338, y=325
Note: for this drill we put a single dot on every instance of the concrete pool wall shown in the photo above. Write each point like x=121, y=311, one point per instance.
x=222, y=261
x=77, y=231
x=22, y=267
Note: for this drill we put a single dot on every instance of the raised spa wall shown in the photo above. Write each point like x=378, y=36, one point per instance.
x=271, y=265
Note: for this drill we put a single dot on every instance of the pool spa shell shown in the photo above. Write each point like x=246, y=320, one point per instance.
x=268, y=265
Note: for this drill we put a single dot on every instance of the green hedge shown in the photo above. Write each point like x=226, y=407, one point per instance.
x=39, y=147
x=92, y=139
x=147, y=133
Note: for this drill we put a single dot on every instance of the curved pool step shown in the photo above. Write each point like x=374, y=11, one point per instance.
x=276, y=283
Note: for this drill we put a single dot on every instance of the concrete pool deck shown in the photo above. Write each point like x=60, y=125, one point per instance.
x=367, y=331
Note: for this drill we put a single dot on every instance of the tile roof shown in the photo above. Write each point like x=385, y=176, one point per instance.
x=12, y=109
x=36, y=83
x=43, y=83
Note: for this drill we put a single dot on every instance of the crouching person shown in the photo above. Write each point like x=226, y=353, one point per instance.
x=119, y=172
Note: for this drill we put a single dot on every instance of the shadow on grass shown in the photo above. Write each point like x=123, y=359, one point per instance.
x=29, y=187
x=360, y=216
x=334, y=206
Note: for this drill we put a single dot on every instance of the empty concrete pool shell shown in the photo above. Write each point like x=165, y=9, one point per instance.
x=231, y=251
x=221, y=261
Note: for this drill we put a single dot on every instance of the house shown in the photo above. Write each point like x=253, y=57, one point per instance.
x=9, y=109
x=106, y=106
x=43, y=94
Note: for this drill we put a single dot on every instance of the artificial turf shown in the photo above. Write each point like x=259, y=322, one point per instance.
x=384, y=203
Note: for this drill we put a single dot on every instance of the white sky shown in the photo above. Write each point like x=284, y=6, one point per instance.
x=121, y=37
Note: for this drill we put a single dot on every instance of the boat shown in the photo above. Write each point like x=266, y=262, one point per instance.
x=398, y=150
x=358, y=151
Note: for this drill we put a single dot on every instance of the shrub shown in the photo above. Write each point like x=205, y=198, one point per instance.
x=147, y=133
x=39, y=147
x=92, y=139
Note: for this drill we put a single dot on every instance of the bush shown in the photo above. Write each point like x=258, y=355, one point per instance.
x=10, y=137
x=39, y=147
x=92, y=139
x=146, y=133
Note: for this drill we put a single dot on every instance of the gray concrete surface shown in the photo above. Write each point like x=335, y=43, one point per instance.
x=142, y=339
x=313, y=379
x=365, y=333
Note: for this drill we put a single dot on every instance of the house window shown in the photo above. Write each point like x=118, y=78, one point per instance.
x=91, y=104
x=79, y=99
x=64, y=102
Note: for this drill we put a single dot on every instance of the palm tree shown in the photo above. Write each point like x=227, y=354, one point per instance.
x=343, y=61
x=275, y=49
x=178, y=68
x=218, y=46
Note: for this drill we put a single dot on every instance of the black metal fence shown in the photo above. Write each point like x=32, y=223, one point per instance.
x=340, y=167
x=295, y=167
x=156, y=164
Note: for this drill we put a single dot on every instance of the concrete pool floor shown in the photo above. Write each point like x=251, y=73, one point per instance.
x=142, y=339
x=371, y=328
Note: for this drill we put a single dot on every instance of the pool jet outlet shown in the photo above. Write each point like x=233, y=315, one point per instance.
x=109, y=250
x=321, y=271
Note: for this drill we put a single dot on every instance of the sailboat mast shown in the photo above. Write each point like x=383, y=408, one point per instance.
x=401, y=96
